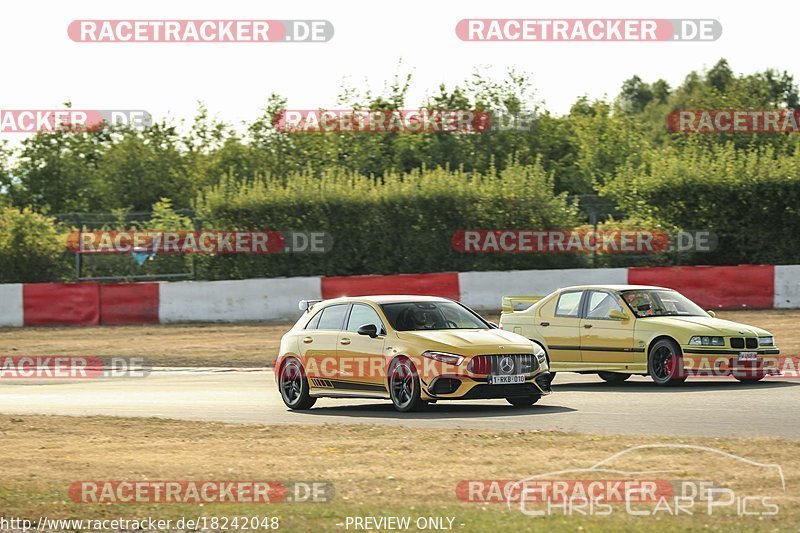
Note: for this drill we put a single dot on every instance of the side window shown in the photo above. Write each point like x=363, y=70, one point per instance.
x=569, y=304
x=362, y=315
x=314, y=322
x=600, y=304
x=333, y=317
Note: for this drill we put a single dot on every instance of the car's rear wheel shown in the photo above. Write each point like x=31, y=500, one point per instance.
x=404, y=388
x=613, y=377
x=294, y=386
x=665, y=363
x=524, y=401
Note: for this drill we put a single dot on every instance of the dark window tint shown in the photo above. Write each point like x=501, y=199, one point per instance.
x=414, y=316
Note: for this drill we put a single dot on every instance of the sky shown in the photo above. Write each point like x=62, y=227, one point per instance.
x=373, y=41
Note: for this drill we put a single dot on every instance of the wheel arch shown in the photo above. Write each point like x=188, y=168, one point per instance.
x=661, y=337
x=657, y=338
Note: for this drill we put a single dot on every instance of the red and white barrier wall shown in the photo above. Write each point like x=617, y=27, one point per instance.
x=91, y=304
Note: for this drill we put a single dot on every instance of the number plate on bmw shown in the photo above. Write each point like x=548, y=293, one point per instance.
x=748, y=356
x=505, y=380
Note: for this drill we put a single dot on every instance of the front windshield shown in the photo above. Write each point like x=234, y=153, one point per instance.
x=415, y=316
x=660, y=302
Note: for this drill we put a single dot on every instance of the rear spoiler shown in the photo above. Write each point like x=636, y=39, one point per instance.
x=510, y=301
x=305, y=305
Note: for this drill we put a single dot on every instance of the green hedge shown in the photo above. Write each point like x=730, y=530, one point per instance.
x=750, y=199
x=395, y=224
x=31, y=247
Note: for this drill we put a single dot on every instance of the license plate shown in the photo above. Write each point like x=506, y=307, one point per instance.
x=748, y=356
x=505, y=380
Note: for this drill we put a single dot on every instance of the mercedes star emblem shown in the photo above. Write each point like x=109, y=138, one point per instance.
x=506, y=365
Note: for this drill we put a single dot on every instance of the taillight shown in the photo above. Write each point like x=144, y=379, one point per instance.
x=480, y=364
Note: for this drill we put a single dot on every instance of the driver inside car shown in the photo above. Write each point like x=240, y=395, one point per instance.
x=414, y=318
x=641, y=303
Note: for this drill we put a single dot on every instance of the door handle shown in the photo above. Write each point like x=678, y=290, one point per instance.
x=587, y=326
x=308, y=340
x=545, y=324
x=344, y=341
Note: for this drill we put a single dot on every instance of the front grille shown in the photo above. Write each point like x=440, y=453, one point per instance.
x=504, y=364
x=739, y=342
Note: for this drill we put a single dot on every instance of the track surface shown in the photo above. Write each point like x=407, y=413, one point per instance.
x=579, y=403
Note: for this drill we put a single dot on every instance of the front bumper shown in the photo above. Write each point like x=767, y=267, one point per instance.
x=712, y=362
x=460, y=387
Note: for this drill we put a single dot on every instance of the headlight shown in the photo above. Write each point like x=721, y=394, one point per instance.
x=541, y=357
x=766, y=341
x=707, y=341
x=444, y=357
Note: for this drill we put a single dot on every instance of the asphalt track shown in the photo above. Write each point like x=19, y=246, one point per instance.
x=716, y=408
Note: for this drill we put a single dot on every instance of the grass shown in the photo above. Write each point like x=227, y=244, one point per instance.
x=376, y=471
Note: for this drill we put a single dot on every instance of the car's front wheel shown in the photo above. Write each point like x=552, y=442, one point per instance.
x=613, y=377
x=404, y=388
x=294, y=386
x=524, y=401
x=666, y=363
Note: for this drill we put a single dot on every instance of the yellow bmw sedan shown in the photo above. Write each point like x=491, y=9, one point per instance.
x=619, y=330
x=412, y=350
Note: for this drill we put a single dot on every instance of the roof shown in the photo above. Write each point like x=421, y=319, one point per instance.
x=619, y=287
x=388, y=298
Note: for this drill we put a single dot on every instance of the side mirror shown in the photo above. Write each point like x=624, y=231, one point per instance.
x=616, y=314
x=711, y=313
x=370, y=330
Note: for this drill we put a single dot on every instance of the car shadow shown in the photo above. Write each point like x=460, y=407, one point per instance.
x=688, y=386
x=444, y=410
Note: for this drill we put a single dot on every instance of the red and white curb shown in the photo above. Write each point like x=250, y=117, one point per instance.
x=256, y=300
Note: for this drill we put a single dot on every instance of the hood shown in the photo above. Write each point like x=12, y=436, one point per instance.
x=703, y=325
x=468, y=338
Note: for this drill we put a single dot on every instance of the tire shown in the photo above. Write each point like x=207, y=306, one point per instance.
x=665, y=363
x=613, y=377
x=293, y=386
x=404, y=387
x=523, y=401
